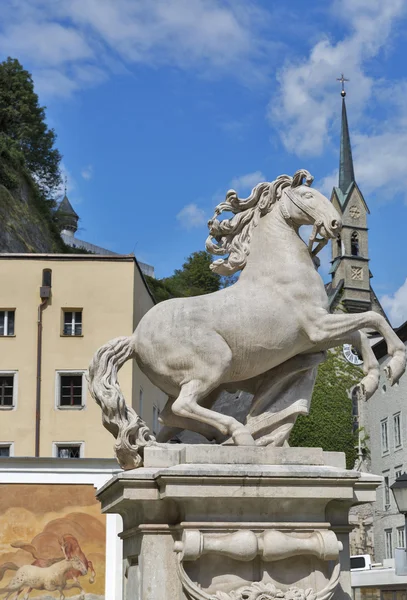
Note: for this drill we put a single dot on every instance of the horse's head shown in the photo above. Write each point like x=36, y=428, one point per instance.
x=77, y=564
x=304, y=205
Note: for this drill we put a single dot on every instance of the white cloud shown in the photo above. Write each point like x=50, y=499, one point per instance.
x=307, y=101
x=191, y=216
x=87, y=172
x=82, y=41
x=71, y=187
x=248, y=181
x=380, y=163
x=54, y=43
x=326, y=184
x=396, y=305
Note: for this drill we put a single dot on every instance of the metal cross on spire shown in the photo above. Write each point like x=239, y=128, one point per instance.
x=66, y=183
x=342, y=79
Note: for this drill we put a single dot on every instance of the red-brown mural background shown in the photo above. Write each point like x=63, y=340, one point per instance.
x=43, y=525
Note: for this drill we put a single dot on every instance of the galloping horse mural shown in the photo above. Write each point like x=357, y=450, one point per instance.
x=274, y=323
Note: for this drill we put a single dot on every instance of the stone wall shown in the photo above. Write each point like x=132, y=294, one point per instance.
x=24, y=227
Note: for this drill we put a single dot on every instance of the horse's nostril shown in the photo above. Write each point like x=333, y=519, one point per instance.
x=335, y=224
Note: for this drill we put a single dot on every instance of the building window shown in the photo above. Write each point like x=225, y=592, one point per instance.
x=388, y=534
x=397, y=430
x=386, y=492
x=46, y=278
x=68, y=449
x=8, y=390
x=72, y=322
x=156, y=424
x=401, y=537
x=70, y=389
x=5, y=450
x=354, y=244
x=7, y=319
x=140, y=403
x=339, y=246
x=384, y=436
x=355, y=410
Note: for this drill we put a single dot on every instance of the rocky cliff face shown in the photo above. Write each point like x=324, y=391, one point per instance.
x=25, y=224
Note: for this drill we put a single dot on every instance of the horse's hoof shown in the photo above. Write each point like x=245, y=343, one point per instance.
x=360, y=391
x=396, y=367
x=242, y=437
x=367, y=387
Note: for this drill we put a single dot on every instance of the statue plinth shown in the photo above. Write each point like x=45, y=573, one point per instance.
x=235, y=523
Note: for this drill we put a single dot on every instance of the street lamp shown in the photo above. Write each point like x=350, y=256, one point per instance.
x=399, y=489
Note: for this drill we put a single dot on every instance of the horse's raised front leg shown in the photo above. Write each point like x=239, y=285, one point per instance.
x=371, y=368
x=328, y=329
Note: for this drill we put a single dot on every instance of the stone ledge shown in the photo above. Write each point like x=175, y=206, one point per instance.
x=167, y=455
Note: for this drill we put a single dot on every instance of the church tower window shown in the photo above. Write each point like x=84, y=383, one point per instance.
x=354, y=244
x=339, y=246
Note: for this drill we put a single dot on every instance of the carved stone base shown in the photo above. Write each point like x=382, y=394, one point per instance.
x=236, y=523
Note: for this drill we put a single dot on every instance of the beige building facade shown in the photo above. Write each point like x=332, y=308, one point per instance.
x=81, y=302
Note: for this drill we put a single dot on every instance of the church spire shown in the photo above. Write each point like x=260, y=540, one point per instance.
x=346, y=172
x=66, y=216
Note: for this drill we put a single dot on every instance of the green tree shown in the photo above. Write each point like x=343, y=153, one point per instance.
x=193, y=279
x=23, y=127
x=330, y=423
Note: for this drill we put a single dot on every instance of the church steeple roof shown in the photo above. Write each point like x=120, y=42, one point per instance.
x=347, y=181
x=346, y=171
x=66, y=216
x=66, y=207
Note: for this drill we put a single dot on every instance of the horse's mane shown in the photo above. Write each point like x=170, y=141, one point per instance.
x=232, y=237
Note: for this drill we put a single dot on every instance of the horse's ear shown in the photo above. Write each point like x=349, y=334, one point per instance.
x=62, y=546
x=299, y=176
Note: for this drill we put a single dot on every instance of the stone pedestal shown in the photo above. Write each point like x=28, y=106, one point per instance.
x=236, y=523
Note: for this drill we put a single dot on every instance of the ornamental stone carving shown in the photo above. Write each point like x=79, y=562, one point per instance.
x=354, y=212
x=357, y=273
x=272, y=545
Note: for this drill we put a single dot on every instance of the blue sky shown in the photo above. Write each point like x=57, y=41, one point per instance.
x=161, y=106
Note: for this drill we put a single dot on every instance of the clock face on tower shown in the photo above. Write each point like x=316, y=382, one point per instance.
x=351, y=355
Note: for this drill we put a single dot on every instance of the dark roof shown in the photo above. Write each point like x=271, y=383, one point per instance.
x=347, y=181
x=65, y=207
x=346, y=172
x=380, y=349
x=332, y=292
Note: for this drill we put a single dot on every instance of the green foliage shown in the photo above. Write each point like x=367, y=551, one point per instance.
x=329, y=424
x=11, y=160
x=26, y=226
x=23, y=126
x=159, y=289
x=194, y=279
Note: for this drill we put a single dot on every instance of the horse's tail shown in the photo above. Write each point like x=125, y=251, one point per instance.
x=27, y=547
x=130, y=431
x=8, y=566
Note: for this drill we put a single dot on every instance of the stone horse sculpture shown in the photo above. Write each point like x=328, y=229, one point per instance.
x=273, y=321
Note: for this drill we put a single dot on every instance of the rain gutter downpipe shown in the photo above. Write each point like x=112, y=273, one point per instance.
x=45, y=294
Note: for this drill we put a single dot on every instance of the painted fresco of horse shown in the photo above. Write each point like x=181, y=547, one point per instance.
x=51, y=578
x=70, y=548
